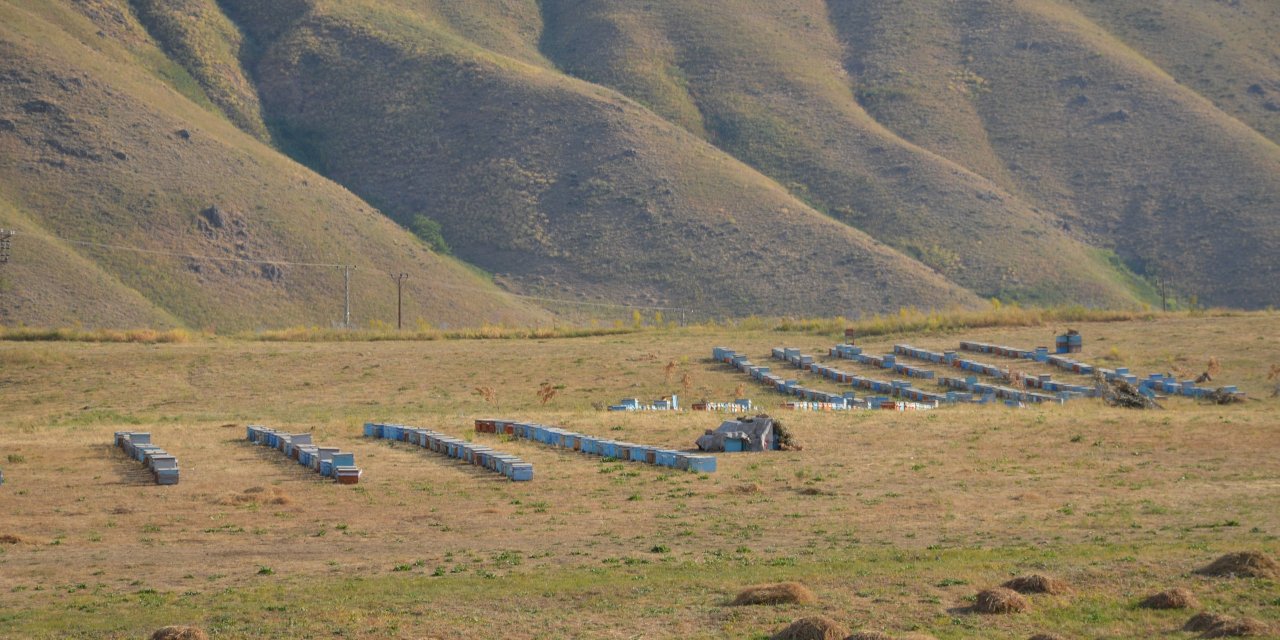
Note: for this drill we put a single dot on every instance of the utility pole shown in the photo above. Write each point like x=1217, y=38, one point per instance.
x=346, y=295
x=400, y=278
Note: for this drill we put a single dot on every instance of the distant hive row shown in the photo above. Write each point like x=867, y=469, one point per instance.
x=329, y=462
x=163, y=467
x=556, y=437
x=481, y=456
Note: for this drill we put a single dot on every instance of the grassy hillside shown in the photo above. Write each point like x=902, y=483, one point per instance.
x=732, y=157
x=103, y=145
x=557, y=184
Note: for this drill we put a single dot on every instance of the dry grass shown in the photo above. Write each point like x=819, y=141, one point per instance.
x=870, y=635
x=775, y=594
x=1176, y=598
x=1244, y=564
x=1000, y=600
x=9, y=538
x=899, y=502
x=256, y=495
x=1037, y=583
x=812, y=628
x=1047, y=636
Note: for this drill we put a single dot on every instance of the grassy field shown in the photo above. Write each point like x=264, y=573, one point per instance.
x=895, y=520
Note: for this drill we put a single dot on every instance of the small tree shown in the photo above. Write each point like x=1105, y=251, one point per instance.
x=546, y=393
x=669, y=371
x=430, y=233
x=489, y=394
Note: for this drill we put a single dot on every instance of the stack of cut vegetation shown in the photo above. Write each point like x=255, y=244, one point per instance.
x=1117, y=392
x=1047, y=636
x=870, y=635
x=1036, y=583
x=1176, y=598
x=177, y=632
x=786, y=440
x=773, y=594
x=814, y=628
x=1000, y=600
x=1212, y=625
x=256, y=495
x=9, y=538
x=1245, y=564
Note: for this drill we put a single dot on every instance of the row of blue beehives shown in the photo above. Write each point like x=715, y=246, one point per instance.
x=481, y=456
x=1151, y=384
x=1043, y=382
x=888, y=361
x=920, y=399
x=592, y=445
x=634, y=404
x=163, y=467
x=741, y=405
x=329, y=462
x=895, y=388
x=989, y=391
x=840, y=402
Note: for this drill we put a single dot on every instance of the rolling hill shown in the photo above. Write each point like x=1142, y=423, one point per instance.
x=732, y=157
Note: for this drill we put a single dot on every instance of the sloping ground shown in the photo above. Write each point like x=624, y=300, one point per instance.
x=557, y=183
x=95, y=148
x=1058, y=110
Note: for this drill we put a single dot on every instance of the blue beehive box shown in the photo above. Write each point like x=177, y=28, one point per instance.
x=522, y=472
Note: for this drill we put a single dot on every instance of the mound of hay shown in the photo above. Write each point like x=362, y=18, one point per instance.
x=1000, y=600
x=917, y=636
x=870, y=635
x=258, y=495
x=1244, y=627
x=1117, y=392
x=1037, y=583
x=780, y=593
x=1047, y=636
x=746, y=489
x=1205, y=621
x=1176, y=598
x=9, y=538
x=815, y=628
x=176, y=632
x=786, y=440
x=1246, y=564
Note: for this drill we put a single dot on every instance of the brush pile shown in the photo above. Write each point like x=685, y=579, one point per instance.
x=1119, y=393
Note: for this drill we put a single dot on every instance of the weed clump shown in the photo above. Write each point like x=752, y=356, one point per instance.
x=774, y=594
x=1176, y=598
x=1037, y=583
x=178, y=632
x=1047, y=636
x=814, y=628
x=9, y=538
x=1245, y=564
x=1000, y=600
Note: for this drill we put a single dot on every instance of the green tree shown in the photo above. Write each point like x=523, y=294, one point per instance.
x=429, y=232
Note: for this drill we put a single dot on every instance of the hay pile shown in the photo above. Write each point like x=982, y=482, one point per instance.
x=1236, y=628
x=815, y=628
x=746, y=489
x=1047, y=636
x=1119, y=393
x=870, y=635
x=255, y=495
x=176, y=632
x=773, y=594
x=9, y=538
x=786, y=440
x=1205, y=621
x=1176, y=598
x=1037, y=583
x=1245, y=564
x=1000, y=600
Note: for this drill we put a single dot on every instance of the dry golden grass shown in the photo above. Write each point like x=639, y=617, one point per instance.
x=177, y=632
x=1238, y=628
x=879, y=507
